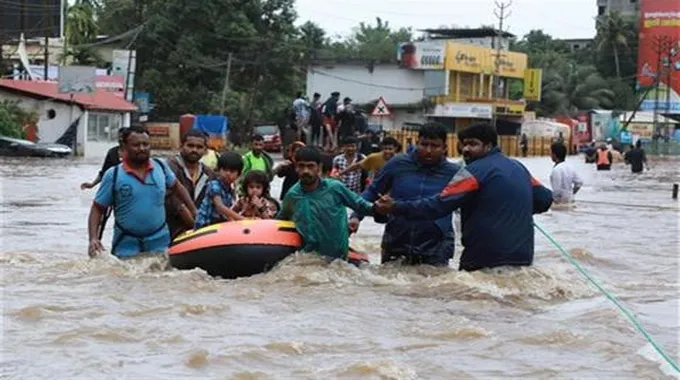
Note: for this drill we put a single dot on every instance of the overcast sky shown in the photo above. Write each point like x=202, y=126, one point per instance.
x=559, y=18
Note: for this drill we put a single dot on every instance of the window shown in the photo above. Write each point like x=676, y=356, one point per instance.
x=601, y=10
x=103, y=126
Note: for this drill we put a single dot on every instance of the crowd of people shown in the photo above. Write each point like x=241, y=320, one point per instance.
x=326, y=124
x=413, y=193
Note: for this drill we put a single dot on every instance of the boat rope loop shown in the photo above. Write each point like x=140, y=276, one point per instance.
x=631, y=317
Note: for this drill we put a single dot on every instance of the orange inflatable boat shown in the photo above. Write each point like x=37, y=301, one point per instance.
x=240, y=249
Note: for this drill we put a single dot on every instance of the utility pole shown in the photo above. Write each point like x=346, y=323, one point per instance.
x=225, y=89
x=662, y=47
x=500, y=12
x=668, y=64
x=48, y=31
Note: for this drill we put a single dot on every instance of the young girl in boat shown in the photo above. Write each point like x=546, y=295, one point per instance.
x=257, y=203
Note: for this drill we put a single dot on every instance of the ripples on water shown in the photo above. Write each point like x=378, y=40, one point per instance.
x=66, y=316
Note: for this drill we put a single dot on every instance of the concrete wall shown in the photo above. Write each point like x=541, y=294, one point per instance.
x=397, y=86
x=49, y=130
x=398, y=118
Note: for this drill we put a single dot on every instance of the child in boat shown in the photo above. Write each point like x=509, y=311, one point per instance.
x=219, y=196
x=317, y=206
x=257, y=203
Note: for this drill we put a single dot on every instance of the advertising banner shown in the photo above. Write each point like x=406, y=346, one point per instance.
x=532, y=84
x=428, y=55
x=660, y=28
x=478, y=59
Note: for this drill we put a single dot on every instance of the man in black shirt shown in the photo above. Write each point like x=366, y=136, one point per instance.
x=112, y=159
x=637, y=158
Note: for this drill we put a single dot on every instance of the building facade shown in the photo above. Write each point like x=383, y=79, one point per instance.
x=365, y=83
x=94, y=119
x=448, y=81
x=625, y=7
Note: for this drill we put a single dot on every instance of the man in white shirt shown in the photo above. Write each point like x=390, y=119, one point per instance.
x=564, y=180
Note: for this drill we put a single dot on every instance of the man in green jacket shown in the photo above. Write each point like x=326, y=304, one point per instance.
x=318, y=207
x=258, y=159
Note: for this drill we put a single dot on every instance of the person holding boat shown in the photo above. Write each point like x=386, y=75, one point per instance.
x=497, y=197
x=194, y=175
x=422, y=173
x=136, y=190
x=318, y=207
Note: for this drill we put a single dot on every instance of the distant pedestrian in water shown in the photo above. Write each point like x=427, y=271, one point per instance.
x=524, y=144
x=637, y=158
x=564, y=180
x=604, y=158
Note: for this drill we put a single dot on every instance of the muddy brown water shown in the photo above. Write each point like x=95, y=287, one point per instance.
x=68, y=317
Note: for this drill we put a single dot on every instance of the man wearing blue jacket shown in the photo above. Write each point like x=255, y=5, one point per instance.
x=497, y=197
x=423, y=173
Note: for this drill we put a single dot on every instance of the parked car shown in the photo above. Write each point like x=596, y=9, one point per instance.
x=23, y=148
x=271, y=134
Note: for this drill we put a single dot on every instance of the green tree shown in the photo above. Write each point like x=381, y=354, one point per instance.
x=613, y=33
x=377, y=42
x=81, y=29
x=13, y=119
x=572, y=89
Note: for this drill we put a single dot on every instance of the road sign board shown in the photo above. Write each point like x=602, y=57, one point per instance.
x=381, y=108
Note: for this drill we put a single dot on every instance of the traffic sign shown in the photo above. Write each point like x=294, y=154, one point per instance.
x=381, y=108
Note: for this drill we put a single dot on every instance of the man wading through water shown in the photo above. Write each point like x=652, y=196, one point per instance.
x=423, y=173
x=135, y=189
x=193, y=175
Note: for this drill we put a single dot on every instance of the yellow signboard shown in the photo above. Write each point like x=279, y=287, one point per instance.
x=642, y=130
x=479, y=59
x=532, y=84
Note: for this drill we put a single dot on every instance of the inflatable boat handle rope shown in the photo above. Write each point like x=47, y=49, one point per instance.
x=612, y=298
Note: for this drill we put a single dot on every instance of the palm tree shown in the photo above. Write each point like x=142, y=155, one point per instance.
x=81, y=28
x=572, y=89
x=612, y=31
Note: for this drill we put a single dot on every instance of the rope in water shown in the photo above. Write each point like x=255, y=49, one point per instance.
x=652, y=207
x=634, y=321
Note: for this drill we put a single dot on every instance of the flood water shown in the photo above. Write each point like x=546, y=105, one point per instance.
x=66, y=316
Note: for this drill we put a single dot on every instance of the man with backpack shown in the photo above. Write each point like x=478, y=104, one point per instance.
x=136, y=190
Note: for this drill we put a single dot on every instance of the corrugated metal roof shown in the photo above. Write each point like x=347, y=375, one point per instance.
x=100, y=100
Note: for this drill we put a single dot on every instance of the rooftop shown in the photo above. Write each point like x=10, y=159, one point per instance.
x=465, y=33
x=99, y=100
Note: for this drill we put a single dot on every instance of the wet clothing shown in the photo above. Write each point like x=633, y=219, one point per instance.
x=139, y=207
x=497, y=197
x=196, y=187
x=290, y=178
x=406, y=179
x=636, y=157
x=264, y=163
x=604, y=159
x=563, y=179
x=352, y=179
x=320, y=216
x=207, y=213
x=245, y=207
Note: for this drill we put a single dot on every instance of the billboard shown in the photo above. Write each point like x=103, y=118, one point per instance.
x=428, y=55
x=478, y=59
x=33, y=18
x=660, y=28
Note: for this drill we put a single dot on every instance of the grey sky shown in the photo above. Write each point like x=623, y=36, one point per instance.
x=559, y=18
